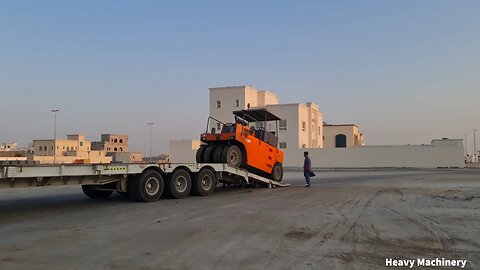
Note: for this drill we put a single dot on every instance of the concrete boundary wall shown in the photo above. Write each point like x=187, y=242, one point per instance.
x=413, y=156
x=397, y=156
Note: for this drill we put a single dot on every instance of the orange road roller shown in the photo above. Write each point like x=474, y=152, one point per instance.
x=248, y=143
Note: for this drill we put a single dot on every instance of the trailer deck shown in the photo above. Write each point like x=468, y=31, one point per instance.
x=116, y=177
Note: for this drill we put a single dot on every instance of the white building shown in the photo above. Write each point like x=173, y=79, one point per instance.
x=301, y=125
x=225, y=100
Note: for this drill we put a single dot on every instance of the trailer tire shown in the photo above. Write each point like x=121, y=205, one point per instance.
x=179, y=184
x=207, y=154
x=205, y=182
x=199, y=155
x=92, y=191
x=147, y=187
x=277, y=172
x=217, y=154
x=234, y=156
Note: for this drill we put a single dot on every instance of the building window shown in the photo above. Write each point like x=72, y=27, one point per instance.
x=237, y=103
x=115, y=140
x=81, y=143
x=219, y=104
x=45, y=148
x=340, y=141
x=115, y=149
x=121, y=141
x=282, y=124
x=304, y=125
x=218, y=127
x=40, y=149
x=121, y=149
x=304, y=146
x=282, y=145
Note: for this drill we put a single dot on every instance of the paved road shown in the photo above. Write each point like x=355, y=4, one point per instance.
x=350, y=219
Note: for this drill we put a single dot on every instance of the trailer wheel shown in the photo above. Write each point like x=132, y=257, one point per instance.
x=199, y=155
x=217, y=154
x=234, y=156
x=147, y=187
x=179, y=184
x=277, y=172
x=205, y=182
x=207, y=154
x=93, y=191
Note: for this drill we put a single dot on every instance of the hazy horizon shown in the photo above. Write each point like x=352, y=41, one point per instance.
x=405, y=72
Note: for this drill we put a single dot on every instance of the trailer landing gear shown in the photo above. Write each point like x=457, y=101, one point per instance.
x=95, y=191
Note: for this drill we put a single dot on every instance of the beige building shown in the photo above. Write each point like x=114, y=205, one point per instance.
x=8, y=146
x=126, y=157
x=75, y=149
x=301, y=125
x=112, y=143
x=116, y=146
x=342, y=136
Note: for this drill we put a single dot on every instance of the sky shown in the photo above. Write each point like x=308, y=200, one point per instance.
x=404, y=71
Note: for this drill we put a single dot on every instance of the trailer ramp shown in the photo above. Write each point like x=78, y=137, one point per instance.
x=271, y=184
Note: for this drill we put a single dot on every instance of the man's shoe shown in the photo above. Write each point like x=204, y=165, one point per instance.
x=307, y=185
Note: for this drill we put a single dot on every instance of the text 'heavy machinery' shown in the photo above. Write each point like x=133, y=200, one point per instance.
x=248, y=143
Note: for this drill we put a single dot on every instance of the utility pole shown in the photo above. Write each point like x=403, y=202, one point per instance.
x=54, y=111
x=150, y=127
x=465, y=146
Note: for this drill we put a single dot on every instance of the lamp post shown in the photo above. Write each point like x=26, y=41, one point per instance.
x=465, y=146
x=150, y=140
x=475, y=154
x=54, y=111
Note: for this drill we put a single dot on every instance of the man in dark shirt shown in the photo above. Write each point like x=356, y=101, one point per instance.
x=307, y=168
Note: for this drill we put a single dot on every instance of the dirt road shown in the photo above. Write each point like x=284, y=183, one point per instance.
x=346, y=220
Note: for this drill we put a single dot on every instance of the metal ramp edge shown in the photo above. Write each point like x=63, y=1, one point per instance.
x=267, y=181
x=251, y=176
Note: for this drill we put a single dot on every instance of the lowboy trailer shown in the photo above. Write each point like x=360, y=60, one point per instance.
x=141, y=182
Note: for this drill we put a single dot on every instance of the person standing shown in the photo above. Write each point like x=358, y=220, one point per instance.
x=307, y=168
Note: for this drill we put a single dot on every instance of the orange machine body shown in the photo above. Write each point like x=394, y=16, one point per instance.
x=258, y=154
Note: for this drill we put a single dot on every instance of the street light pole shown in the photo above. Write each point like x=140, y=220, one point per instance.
x=54, y=134
x=475, y=154
x=150, y=154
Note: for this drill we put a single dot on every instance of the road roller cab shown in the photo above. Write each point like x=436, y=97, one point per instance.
x=250, y=142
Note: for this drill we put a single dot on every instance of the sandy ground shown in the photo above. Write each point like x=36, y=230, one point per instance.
x=350, y=219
